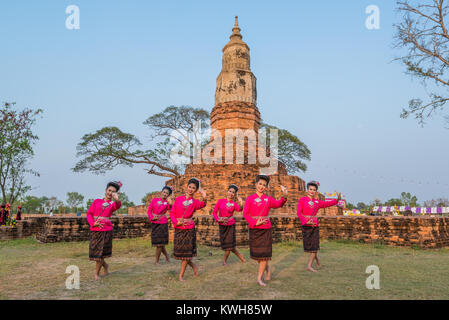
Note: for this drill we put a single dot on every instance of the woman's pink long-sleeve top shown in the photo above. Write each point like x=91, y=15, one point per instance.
x=98, y=208
x=225, y=208
x=158, y=207
x=308, y=208
x=184, y=207
x=255, y=206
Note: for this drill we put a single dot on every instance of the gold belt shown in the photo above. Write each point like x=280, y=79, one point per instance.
x=102, y=218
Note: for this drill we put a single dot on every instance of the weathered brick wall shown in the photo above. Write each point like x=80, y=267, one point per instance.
x=138, y=210
x=425, y=232
x=24, y=228
x=78, y=229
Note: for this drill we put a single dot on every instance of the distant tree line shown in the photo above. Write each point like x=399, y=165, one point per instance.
x=406, y=199
x=73, y=204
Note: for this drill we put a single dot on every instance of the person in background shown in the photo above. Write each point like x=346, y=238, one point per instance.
x=19, y=213
x=2, y=214
x=7, y=213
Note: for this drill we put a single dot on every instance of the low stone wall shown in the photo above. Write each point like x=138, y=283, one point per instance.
x=424, y=232
x=23, y=228
x=78, y=229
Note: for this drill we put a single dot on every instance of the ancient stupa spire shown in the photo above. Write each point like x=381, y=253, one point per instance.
x=236, y=30
x=236, y=82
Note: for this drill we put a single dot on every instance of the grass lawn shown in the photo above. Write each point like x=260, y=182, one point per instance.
x=31, y=270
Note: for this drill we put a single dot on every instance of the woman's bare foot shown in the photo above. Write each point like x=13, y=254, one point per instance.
x=311, y=269
x=224, y=263
x=156, y=263
x=261, y=282
x=181, y=279
x=97, y=277
x=318, y=262
x=268, y=274
x=106, y=268
x=195, y=270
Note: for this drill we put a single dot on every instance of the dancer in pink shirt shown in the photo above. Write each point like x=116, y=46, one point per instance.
x=184, y=244
x=256, y=210
x=100, y=246
x=159, y=222
x=223, y=214
x=306, y=212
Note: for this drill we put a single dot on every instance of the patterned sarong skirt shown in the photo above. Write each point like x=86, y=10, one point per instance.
x=311, y=238
x=227, y=237
x=159, y=234
x=100, y=245
x=260, y=244
x=184, y=244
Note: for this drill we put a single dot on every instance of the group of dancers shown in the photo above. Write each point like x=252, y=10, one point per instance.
x=255, y=211
x=5, y=210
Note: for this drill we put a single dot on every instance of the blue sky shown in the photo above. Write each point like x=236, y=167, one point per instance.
x=320, y=74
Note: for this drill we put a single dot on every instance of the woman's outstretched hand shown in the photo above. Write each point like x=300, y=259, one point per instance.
x=115, y=196
x=284, y=191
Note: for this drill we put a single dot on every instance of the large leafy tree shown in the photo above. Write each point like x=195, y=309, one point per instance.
x=16, y=149
x=33, y=204
x=148, y=196
x=423, y=37
x=110, y=147
x=173, y=131
x=74, y=200
x=291, y=150
x=126, y=203
x=408, y=199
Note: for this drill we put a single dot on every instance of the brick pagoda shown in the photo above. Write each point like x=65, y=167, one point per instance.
x=236, y=108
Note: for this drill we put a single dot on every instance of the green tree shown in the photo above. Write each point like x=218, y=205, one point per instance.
x=110, y=147
x=423, y=36
x=16, y=149
x=173, y=131
x=408, y=200
x=361, y=206
x=89, y=203
x=126, y=203
x=148, y=195
x=74, y=199
x=52, y=204
x=291, y=150
x=394, y=202
x=32, y=204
